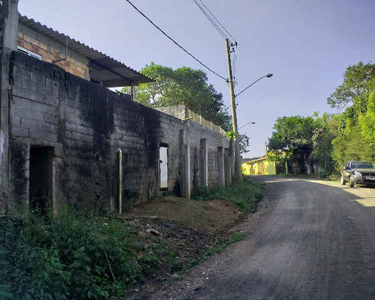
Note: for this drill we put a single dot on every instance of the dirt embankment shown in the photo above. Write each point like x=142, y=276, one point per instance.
x=189, y=230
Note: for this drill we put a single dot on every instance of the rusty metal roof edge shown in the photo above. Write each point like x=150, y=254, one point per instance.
x=264, y=157
x=24, y=20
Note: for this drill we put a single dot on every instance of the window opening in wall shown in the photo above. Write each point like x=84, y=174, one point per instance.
x=29, y=53
x=40, y=193
x=163, y=166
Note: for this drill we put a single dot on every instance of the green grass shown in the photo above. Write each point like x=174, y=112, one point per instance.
x=244, y=195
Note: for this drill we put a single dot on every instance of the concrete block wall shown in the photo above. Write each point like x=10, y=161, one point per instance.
x=8, y=43
x=178, y=111
x=182, y=112
x=3, y=113
x=51, y=50
x=84, y=124
x=214, y=140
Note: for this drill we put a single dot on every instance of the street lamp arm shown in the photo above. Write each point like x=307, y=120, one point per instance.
x=268, y=76
x=246, y=124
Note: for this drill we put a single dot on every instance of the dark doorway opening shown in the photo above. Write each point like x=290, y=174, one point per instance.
x=163, y=166
x=40, y=191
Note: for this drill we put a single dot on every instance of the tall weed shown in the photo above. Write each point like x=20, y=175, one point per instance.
x=242, y=194
x=73, y=257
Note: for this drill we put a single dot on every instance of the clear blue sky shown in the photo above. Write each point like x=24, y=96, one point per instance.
x=307, y=45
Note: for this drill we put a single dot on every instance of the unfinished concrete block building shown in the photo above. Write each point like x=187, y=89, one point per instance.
x=65, y=138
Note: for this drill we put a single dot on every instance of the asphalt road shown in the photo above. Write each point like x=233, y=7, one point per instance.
x=316, y=241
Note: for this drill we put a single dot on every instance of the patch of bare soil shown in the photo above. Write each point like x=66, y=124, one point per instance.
x=212, y=216
x=188, y=229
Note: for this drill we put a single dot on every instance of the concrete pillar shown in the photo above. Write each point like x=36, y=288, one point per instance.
x=185, y=164
x=19, y=175
x=57, y=172
x=132, y=92
x=10, y=15
x=203, y=162
x=232, y=161
x=8, y=43
x=227, y=166
x=220, y=162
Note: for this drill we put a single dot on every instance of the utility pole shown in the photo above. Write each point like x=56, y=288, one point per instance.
x=238, y=171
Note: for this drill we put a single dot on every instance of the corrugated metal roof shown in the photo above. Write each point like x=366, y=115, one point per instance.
x=103, y=68
x=264, y=157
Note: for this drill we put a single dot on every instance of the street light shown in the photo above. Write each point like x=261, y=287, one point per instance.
x=238, y=170
x=246, y=125
x=268, y=76
x=237, y=146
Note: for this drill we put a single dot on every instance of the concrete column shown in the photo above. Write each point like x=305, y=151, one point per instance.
x=10, y=14
x=57, y=171
x=185, y=164
x=220, y=162
x=232, y=162
x=8, y=43
x=203, y=162
x=132, y=92
x=227, y=166
x=19, y=176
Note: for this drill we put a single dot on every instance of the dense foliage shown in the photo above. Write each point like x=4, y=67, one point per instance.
x=355, y=138
x=331, y=140
x=355, y=83
x=72, y=258
x=322, y=142
x=293, y=136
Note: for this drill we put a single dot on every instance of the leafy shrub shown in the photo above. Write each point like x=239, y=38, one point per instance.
x=72, y=257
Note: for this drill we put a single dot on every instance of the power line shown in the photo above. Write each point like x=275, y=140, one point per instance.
x=217, y=21
x=187, y=52
x=234, y=66
x=211, y=20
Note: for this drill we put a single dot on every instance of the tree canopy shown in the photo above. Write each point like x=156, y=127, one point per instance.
x=293, y=136
x=183, y=86
x=356, y=78
x=355, y=138
x=332, y=139
x=297, y=139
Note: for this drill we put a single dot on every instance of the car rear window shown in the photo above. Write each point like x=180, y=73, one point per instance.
x=362, y=165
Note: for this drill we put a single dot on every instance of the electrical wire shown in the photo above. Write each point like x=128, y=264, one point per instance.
x=211, y=21
x=217, y=21
x=177, y=44
x=234, y=65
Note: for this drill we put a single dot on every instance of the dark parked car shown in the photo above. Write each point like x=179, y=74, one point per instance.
x=362, y=172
